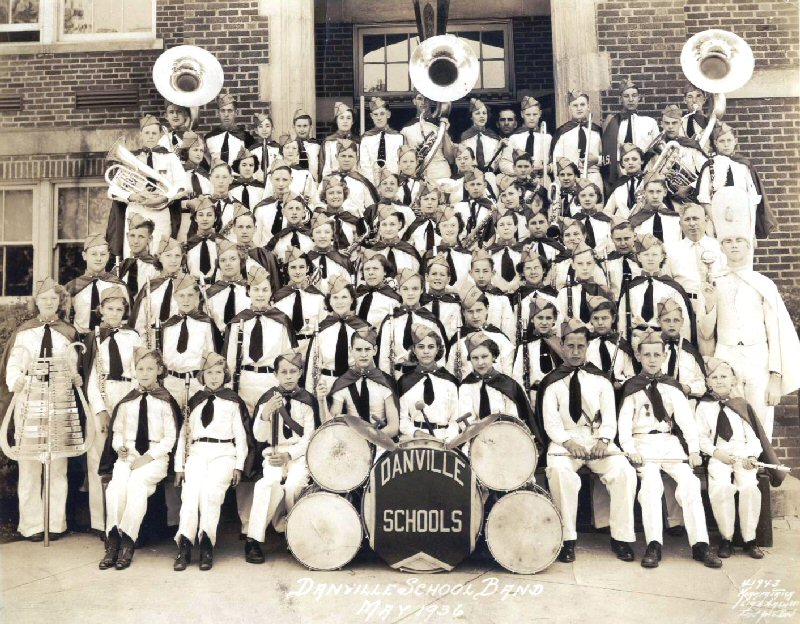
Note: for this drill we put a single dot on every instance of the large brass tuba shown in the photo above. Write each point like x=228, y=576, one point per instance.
x=717, y=61
x=131, y=174
x=442, y=67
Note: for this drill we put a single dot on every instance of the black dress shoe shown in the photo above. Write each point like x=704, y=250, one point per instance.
x=652, y=555
x=752, y=549
x=725, y=549
x=622, y=550
x=567, y=554
x=253, y=552
x=36, y=537
x=675, y=531
x=206, y=553
x=184, y=557
x=112, y=550
x=125, y=556
x=702, y=552
x=54, y=537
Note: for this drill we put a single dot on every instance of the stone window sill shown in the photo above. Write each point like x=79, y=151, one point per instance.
x=64, y=47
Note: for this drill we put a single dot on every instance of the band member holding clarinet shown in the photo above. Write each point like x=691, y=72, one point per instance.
x=579, y=139
x=109, y=374
x=136, y=456
x=577, y=404
x=379, y=144
x=210, y=458
x=283, y=421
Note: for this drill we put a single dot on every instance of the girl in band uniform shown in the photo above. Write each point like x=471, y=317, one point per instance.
x=376, y=297
x=228, y=295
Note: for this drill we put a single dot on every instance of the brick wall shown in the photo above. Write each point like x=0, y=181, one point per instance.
x=334, y=66
x=533, y=52
x=644, y=42
x=232, y=31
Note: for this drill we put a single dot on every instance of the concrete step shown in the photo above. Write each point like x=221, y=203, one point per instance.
x=785, y=500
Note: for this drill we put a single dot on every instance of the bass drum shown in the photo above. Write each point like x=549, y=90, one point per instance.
x=524, y=530
x=504, y=455
x=338, y=458
x=422, y=507
x=323, y=529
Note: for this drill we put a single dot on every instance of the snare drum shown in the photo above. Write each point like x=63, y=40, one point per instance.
x=338, y=458
x=503, y=455
x=524, y=530
x=323, y=529
x=422, y=509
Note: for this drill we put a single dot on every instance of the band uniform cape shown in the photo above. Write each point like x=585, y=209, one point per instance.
x=352, y=321
x=409, y=380
x=286, y=420
x=271, y=313
x=557, y=374
x=399, y=328
x=109, y=456
x=354, y=375
x=640, y=382
x=766, y=221
x=684, y=298
x=509, y=387
x=229, y=395
x=6, y=394
x=609, y=135
x=197, y=316
x=768, y=455
x=373, y=192
x=566, y=128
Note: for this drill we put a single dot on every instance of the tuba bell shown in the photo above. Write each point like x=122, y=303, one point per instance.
x=442, y=67
x=188, y=76
x=717, y=61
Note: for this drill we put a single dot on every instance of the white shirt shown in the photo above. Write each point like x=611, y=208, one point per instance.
x=518, y=140
x=226, y=424
x=598, y=409
x=160, y=427
x=275, y=341
x=686, y=266
x=443, y=410
x=368, y=153
x=294, y=444
x=201, y=342
x=217, y=302
x=127, y=342
x=743, y=442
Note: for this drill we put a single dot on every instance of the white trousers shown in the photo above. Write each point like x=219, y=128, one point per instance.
x=721, y=491
x=651, y=491
x=616, y=474
x=127, y=494
x=30, y=491
x=751, y=365
x=296, y=473
x=209, y=470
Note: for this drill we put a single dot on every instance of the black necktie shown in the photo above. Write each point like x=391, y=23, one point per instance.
x=323, y=266
x=484, y=407
x=205, y=257
x=427, y=390
x=366, y=303
x=183, y=336
x=94, y=316
x=406, y=194
x=197, y=189
x=382, y=149
x=133, y=277
x=175, y=139
x=658, y=228
x=429, y=242
x=545, y=358
x=166, y=302
x=605, y=356
x=729, y=177
x=295, y=240
x=297, y=312
x=575, y=409
x=529, y=143
x=287, y=431
x=245, y=195
x=363, y=400
x=340, y=358
x=407, y=338
x=230, y=304
x=256, y=341
x=541, y=249
x=207, y=415
x=507, y=270
x=225, y=152
x=581, y=142
x=724, y=429
x=46, y=350
x=435, y=306
x=265, y=157
x=114, y=358
x=149, y=158
x=690, y=127
x=631, y=193
x=626, y=267
x=629, y=131
x=142, y=444
x=479, y=157
x=673, y=360
x=452, y=265
x=392, y=261
x=655, y=398
x=590, y=240
x=647, y=306
x=471, y=221
x=585, y=311
x=277, y=224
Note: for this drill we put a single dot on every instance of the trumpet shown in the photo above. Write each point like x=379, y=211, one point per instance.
x=132, y=175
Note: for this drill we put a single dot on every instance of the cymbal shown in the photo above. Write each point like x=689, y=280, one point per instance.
x=370, y=432
x=471, y=431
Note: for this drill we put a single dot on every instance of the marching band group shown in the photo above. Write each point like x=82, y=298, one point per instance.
x=578, y=281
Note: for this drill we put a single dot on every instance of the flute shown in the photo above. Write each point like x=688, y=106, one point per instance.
x=187, y=426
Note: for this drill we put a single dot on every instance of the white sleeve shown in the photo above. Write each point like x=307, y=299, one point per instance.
x=164, y=446
x=553, y=424
x=625, y=425
x=685, y=419
x=705, y=435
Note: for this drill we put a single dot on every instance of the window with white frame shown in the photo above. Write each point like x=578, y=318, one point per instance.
x=69, y=21
x=16, y=241
x=383, y=54
x=79, y=211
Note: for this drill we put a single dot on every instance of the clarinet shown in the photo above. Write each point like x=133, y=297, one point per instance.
x=101, y=373
x=237, y=371
x=158, y=336
x=315, y=374
x=569, y=295
x=522, y=343
x=391, y=344
x=187, y=425
x=148, y=315
x=626, y=281
x=457, y=358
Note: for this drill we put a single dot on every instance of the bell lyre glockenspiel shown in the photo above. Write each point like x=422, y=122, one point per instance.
x=47, y=422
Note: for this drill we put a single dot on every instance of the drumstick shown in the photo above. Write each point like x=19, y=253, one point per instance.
x=627, y=455
x=420, y=405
